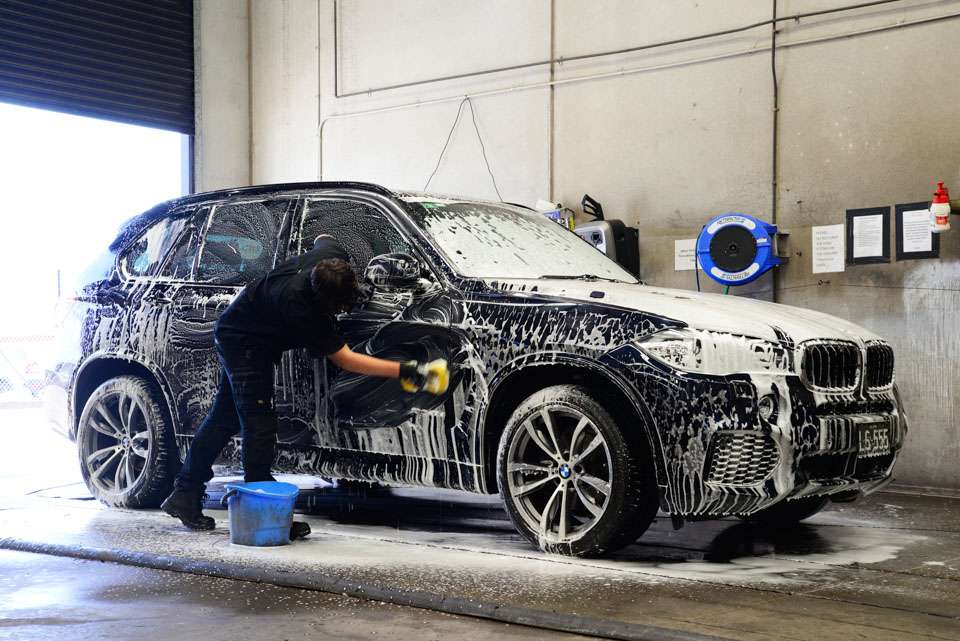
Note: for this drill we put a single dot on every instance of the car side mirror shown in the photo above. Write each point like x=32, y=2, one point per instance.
x=393, y=271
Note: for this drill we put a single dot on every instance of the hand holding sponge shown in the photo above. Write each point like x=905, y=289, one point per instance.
x=432, y=377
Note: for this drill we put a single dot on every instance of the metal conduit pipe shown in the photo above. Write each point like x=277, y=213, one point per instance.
x=619, y=72
x=599, y=54
x=775, y=144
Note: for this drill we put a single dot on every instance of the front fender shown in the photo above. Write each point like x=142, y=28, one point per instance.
x=604, y=368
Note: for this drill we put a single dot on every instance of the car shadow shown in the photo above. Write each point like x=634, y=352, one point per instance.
x=724, y=541
x=402, y=509
x=451, y=513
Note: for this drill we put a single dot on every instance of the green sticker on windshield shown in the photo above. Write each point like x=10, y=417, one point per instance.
x=427, y=205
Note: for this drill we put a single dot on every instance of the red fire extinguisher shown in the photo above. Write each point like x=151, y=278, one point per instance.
x=940, y=209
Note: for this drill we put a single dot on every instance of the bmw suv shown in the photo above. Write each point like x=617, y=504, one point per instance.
x=587, y=399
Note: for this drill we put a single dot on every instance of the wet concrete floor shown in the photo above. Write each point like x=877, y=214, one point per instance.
x=53, y=598
x=887, y=567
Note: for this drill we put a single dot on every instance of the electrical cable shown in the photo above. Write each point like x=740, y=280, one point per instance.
x=614, y=52
x=696, y=259
x=449, y=136
x=483, y=149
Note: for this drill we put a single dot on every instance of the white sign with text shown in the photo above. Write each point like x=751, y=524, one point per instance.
x=828, y=251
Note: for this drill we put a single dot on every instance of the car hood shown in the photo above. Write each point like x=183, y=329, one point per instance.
x=724, y=313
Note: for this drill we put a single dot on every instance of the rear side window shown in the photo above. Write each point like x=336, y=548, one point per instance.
x=241, y=241
x=144, y=256
x=180, y=264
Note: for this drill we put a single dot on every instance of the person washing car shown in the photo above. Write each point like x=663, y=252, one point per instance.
x=292, y=306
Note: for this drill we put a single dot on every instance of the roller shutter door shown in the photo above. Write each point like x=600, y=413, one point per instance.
x=124, y=60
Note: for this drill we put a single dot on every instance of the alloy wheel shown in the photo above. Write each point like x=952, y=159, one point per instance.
x=559, y=473
x=116, y=447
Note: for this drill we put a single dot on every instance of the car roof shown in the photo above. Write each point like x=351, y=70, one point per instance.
x=135, y=225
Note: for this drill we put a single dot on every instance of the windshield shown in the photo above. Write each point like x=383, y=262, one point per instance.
x=482, y=240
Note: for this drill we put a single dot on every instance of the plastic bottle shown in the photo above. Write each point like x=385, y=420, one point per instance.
x=940, y=209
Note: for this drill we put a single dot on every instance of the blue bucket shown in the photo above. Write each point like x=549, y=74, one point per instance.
x=261, y=513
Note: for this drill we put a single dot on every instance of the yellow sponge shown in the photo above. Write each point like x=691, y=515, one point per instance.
x=436, y=378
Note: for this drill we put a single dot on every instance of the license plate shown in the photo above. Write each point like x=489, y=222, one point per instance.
x=874, y=440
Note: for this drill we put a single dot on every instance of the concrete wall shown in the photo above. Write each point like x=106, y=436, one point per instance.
x=878, y=133
x=668, y=137
x=285, y=101
x=222, y=51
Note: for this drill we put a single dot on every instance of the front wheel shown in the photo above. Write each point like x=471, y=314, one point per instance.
x=571, y=480
x=124, y=442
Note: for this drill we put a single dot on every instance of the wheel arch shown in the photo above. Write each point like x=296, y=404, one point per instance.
x=521, y=379
x=99, y=368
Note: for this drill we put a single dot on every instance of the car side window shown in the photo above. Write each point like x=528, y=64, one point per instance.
x=180, y=264
x=362, y=230
x=144, y=256
x=241, y=241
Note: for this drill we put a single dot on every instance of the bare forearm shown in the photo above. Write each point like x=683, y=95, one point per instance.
x=372, y=366
x=350, y=361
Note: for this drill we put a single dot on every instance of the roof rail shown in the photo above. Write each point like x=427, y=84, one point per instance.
x=293, y=186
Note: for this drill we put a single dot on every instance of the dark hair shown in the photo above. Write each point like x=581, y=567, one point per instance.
x=334, y=285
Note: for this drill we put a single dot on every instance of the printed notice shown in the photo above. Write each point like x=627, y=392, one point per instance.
x=684, y=252
x=828, y=252
x=868, y=236
x=917, y=236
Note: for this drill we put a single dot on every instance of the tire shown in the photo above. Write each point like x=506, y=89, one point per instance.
x=788, y=512
x=610, y=510
x=125, y=443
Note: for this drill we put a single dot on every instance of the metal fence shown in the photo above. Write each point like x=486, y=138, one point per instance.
x=23, y=369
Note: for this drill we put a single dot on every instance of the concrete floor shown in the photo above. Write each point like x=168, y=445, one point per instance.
x=47, y=597
x=887, y=567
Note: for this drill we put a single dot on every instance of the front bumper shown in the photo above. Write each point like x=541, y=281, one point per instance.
x=841, y=466
x=720, y=457
x=817, y=444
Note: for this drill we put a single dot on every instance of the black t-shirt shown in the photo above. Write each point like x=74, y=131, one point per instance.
x=278, y=311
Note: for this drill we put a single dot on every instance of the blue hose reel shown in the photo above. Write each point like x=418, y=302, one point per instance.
x=736, y=249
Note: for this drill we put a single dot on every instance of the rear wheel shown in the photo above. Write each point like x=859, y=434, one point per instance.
x=572, y=482
x=788, y=512
x=125, y=444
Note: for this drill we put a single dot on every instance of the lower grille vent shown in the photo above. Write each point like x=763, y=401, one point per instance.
x=742, y=458
x=871, y=468
x=825, y=467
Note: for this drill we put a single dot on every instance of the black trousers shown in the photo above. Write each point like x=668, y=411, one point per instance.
x=243, y=405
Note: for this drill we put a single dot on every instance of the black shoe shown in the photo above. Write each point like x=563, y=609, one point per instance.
x=299, y=530
x=188, y=507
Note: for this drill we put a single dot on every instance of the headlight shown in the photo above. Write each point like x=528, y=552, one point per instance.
x=717, y=353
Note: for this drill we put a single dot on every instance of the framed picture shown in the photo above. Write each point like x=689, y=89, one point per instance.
x=914, y=238
x=868, y=235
